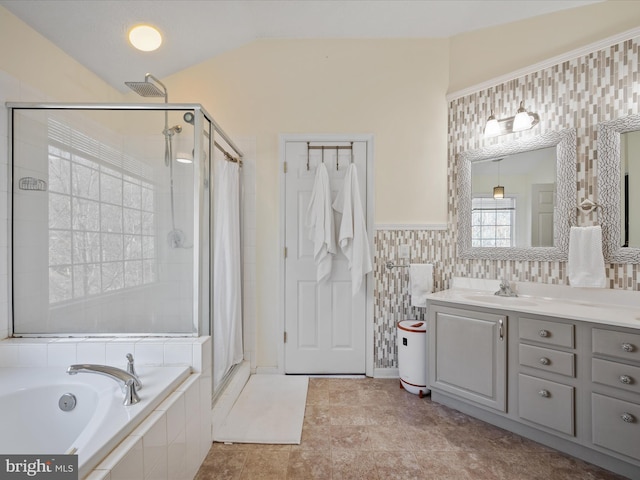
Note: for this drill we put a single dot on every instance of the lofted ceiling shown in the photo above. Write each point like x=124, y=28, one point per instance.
x=94, y=32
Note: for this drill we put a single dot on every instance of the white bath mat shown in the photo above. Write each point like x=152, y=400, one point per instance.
x=270, y=409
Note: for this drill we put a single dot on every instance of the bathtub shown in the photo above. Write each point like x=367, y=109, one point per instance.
x=33, y=423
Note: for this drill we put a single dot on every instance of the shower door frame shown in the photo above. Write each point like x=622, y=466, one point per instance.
x=202, y=179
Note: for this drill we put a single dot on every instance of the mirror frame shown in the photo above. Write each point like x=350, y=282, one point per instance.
x=608, y=208
x=564, y=214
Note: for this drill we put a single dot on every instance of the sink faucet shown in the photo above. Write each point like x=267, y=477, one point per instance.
x=128, y=381
x=505, y=290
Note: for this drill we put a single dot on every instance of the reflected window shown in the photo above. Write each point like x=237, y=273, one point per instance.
x=101, y=219
x=493, y=221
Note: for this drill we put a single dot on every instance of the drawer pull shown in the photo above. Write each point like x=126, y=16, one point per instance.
x=544, y=393
x=628, y=418
x=545, y=361
x=627, y=347
x=626, y=379
x=543, y=333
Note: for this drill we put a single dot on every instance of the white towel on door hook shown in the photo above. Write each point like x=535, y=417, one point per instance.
x=352, y=238
x=320, y=223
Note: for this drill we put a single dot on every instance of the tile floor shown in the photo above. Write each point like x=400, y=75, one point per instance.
x=371, y=429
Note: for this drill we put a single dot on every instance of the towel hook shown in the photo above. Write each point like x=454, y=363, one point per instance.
x=351, y=152
x=337, y=156
x=308, y=145
x=323, y=154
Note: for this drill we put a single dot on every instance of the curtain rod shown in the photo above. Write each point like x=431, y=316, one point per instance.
x=228, y=156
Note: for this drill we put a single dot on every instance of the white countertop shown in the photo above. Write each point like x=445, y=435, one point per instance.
x=604, y=306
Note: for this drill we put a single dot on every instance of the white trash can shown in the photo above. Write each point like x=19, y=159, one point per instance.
x=412, y=356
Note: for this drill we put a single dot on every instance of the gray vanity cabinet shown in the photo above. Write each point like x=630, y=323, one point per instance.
x=468, y=355
x=570, y=384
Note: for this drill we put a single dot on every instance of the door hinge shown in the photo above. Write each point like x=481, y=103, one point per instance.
x=284, y=166
x=285, y=252
x=285, y=337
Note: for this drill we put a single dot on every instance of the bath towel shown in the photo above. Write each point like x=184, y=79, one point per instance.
x=319, y=221
x=352, y=237
x=420, y=283
x=585, y=267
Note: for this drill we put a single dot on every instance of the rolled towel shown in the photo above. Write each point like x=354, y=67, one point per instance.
x=585, y=267
x=420, y=283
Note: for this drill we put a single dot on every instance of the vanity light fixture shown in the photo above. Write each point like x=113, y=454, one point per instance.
x=145, y=38
x=523, y=120
x=492, y=128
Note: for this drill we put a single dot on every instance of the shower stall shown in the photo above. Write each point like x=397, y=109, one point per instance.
x=110, y=218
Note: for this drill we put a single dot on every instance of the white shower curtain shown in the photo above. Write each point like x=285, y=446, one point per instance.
x=227, y=286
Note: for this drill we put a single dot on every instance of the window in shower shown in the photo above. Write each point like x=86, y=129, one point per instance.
x=101, y=223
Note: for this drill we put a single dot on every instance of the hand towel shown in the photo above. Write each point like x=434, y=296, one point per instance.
x=585, y=267
x=352, y=238
x=319, y=221
x=420, y=283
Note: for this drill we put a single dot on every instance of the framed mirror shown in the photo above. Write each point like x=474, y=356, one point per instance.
x=517, y=200
x=618, y=188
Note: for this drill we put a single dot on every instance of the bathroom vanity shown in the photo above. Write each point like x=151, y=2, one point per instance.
x=558, y=365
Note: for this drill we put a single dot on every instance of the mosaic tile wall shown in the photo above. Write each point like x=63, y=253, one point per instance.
x=578, y=94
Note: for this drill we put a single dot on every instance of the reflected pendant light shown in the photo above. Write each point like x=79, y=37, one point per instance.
x=498, y=192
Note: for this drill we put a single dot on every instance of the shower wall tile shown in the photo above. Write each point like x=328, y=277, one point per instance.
x=578, y=94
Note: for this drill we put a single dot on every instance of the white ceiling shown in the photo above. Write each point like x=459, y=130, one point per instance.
x=94, y=31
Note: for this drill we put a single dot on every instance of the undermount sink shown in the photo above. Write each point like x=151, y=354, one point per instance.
x=499, y=300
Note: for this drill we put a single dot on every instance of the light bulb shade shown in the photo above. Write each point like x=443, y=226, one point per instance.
x=522, y=121
x=492, y=128
x=498, y=191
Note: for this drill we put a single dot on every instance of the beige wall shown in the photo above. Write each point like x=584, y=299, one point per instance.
x=393, y=89
x=485, y=54
x=45, y=69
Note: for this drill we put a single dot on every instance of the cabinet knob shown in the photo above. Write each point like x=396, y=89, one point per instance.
x=628, y=418
x=626, y=379
x=544, y=393
x=627, y=347
x=544, y=361
x=543, y=333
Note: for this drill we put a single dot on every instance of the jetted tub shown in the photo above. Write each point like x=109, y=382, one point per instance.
x=33, y=422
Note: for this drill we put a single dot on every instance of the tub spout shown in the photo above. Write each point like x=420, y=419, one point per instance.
x=128, y=381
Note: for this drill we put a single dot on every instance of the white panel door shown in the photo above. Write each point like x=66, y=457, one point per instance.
x=542, y=204
x=324, y=323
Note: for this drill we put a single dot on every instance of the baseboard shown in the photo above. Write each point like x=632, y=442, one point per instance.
x=386, y=373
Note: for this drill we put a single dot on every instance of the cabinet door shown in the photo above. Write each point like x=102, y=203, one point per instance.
x=467, y=355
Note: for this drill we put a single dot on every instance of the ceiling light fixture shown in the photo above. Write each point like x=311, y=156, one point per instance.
x=498, y=190
x=145, y=38
x=523, y=120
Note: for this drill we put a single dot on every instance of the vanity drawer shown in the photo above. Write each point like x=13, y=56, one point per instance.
x=550, y=333
x=616, y=374
x=546, y=403
x=616, y=344
x=548, y=360
x=616, y=425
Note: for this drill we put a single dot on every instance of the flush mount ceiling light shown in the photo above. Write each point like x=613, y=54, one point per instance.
x=145, y=38
x=523, y=120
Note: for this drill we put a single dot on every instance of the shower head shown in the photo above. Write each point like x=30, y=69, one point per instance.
x=149, y=89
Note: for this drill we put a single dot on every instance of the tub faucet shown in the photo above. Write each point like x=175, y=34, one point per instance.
x=128, y=381
x=505, y=290
x=132, y=370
